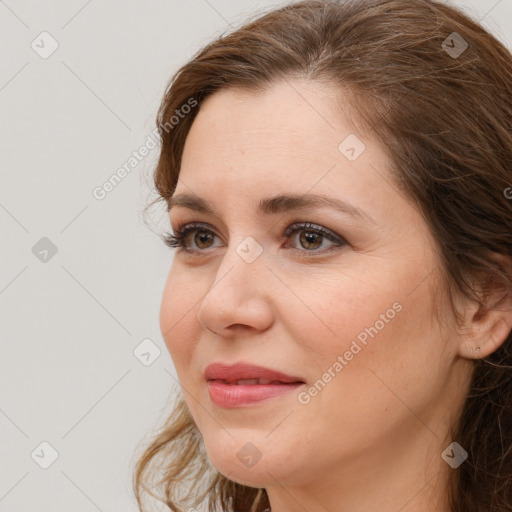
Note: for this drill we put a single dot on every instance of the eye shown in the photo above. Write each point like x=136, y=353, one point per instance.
x=203, y=236
x=311, y=237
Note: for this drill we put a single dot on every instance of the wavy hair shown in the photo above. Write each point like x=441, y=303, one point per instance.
x=435, y=88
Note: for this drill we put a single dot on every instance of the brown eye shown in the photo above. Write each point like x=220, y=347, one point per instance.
x=196, y=238
x=203, y=237
x=310, y=240
x=311, y=237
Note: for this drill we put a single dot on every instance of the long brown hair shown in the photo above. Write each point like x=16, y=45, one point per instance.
x=435, y=88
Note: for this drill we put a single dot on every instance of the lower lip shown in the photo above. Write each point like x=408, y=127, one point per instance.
x=234, y=395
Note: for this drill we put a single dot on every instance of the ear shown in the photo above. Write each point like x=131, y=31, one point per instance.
x=486, y=329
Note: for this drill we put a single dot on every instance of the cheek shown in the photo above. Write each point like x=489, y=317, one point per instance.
x=336, y=311
x=177, y=319
x=378, y=347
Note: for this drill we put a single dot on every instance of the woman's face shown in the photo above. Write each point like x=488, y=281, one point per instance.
x=352, y=317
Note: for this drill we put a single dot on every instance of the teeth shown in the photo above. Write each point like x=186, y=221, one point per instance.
x=251, y=382
x=247, y=382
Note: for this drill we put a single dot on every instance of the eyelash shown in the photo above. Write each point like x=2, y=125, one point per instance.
x=177, y=240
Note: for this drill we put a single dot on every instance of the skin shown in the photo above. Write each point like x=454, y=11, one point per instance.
x=372, y=438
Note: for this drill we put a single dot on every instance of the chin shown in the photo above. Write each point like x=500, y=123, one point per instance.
x=239, y=459
x=250, y=459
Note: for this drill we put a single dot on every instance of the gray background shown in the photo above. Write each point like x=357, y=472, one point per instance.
x=71, y=323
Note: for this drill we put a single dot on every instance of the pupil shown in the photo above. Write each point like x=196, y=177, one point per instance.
x=203, y=237
x=311, y=238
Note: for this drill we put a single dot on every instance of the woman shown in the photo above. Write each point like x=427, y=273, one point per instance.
x=338, y=309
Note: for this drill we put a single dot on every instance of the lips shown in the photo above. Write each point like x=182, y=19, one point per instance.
x=244, y=385
x=246, y=374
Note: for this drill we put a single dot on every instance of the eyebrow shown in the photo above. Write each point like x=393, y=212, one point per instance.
x=276, y=204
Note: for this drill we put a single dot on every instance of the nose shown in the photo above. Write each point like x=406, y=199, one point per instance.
x=238, y=298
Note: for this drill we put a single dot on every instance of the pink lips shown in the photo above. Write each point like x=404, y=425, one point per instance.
x=224, y=391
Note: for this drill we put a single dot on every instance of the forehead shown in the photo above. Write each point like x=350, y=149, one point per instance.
x=288, y=121
x=285, y=139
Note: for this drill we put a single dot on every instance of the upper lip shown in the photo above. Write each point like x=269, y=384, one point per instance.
x=234, y=372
